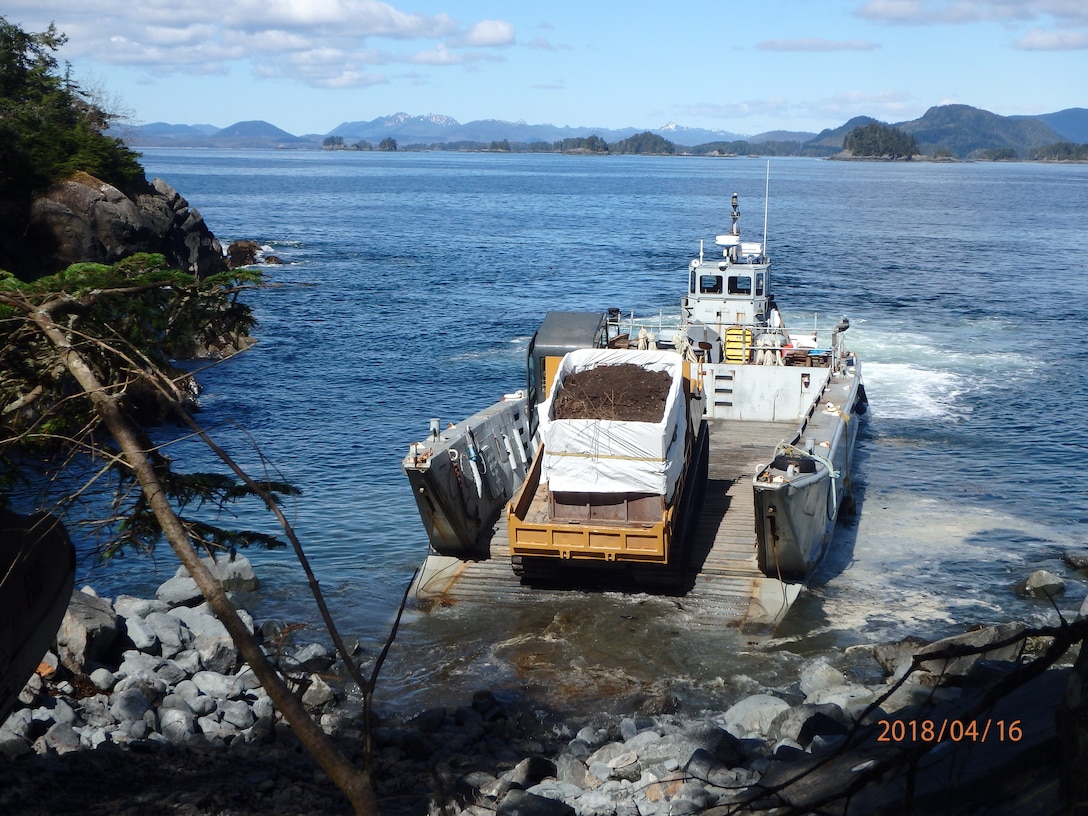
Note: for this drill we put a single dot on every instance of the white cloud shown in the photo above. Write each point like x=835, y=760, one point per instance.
x=439, y=55
x=542, y=43
x=839, y=107
x=488, y=33
x=323, y=43
x=1039, y=40
x=1061, y=25
x=817, y=44
x=938, y=12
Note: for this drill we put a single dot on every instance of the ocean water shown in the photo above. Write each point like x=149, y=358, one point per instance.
x=413, y=281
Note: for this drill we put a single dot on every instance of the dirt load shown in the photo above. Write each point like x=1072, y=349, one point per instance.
x=625, y=392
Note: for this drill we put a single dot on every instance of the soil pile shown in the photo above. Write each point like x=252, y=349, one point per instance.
x=625, y=392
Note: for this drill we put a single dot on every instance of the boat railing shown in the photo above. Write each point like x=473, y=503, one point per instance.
x=750, y=342
x=654, y=328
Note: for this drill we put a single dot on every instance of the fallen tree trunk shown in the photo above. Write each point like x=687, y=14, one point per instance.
x=356, y=784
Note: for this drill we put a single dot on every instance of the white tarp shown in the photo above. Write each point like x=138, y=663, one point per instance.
x=609, y=456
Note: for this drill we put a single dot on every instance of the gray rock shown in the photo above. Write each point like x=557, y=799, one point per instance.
x=703, y=765
x=643, y=742
x=133, y=662
x=95, y=711
x=318, y=693
x=172, y=634
x=128, y=607
x=574, y=772
x=61, y=738
x=697, y=795
x=607, y=752
x=824, y=726
x=187, y=690
x=203, y=705
x=819, y=674
x=216, y=654
x=150, y=685
x=975, y=640
x=625, y=765
x=214, y=728
x=83, y=219
x=789, y=724
x=753, y=715
x=476, y=784
x=600, y=769
x=530, y=771
x=64, y=713
x=128, y=705
x=189, y=661
x=247, y=678
x=263, y=731
x=850, y=697
x=825, y=743
x=578, y=749
x=13, y=747
x=554, y=789
x=1076, y=561
x=93, y=738
x=175, y=701
x=683, y=744
x=216, y=685
x=179, y=591
x=237, y=713
x=200, y=621
x=596, y=803
x=31, y=690
x=18, y=724
x=177, y=724
x=592, y=736
x=428, y=721
x=1041, y=584
x=522, y=803
x=171, y=673
x=262, y=707
x=235, y=572
x=308, y=659
x=86, y=632
x=143, y=637
x=895, y=658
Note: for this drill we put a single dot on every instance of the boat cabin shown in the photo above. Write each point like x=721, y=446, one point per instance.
x=733, y=290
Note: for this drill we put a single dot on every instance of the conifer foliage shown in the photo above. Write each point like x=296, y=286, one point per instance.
x=875, y=139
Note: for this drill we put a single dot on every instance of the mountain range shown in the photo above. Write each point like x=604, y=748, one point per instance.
x=960, y=129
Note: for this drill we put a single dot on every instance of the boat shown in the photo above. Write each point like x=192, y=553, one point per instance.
x=37, y=574
x=768, y=472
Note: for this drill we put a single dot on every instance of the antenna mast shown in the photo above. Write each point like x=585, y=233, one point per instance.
x=766, y=205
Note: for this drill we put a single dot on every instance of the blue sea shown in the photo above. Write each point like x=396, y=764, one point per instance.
x=412, y=283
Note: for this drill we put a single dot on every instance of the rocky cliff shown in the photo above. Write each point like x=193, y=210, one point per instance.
x=84, y=219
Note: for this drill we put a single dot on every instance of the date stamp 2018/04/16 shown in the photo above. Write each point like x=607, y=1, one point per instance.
x=950, y=730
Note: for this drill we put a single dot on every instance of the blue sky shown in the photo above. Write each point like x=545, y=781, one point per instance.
x=308, y=65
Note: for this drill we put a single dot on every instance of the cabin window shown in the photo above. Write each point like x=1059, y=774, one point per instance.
x=759, y=285
x=710, y=284
x=691, y=283
x=740, y=285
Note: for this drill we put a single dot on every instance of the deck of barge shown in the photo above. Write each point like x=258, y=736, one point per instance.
x=725, y=586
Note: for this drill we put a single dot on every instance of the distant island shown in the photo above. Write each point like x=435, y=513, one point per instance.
x=945, y=131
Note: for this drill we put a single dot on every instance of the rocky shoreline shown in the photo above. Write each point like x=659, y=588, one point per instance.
x=145, y=707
